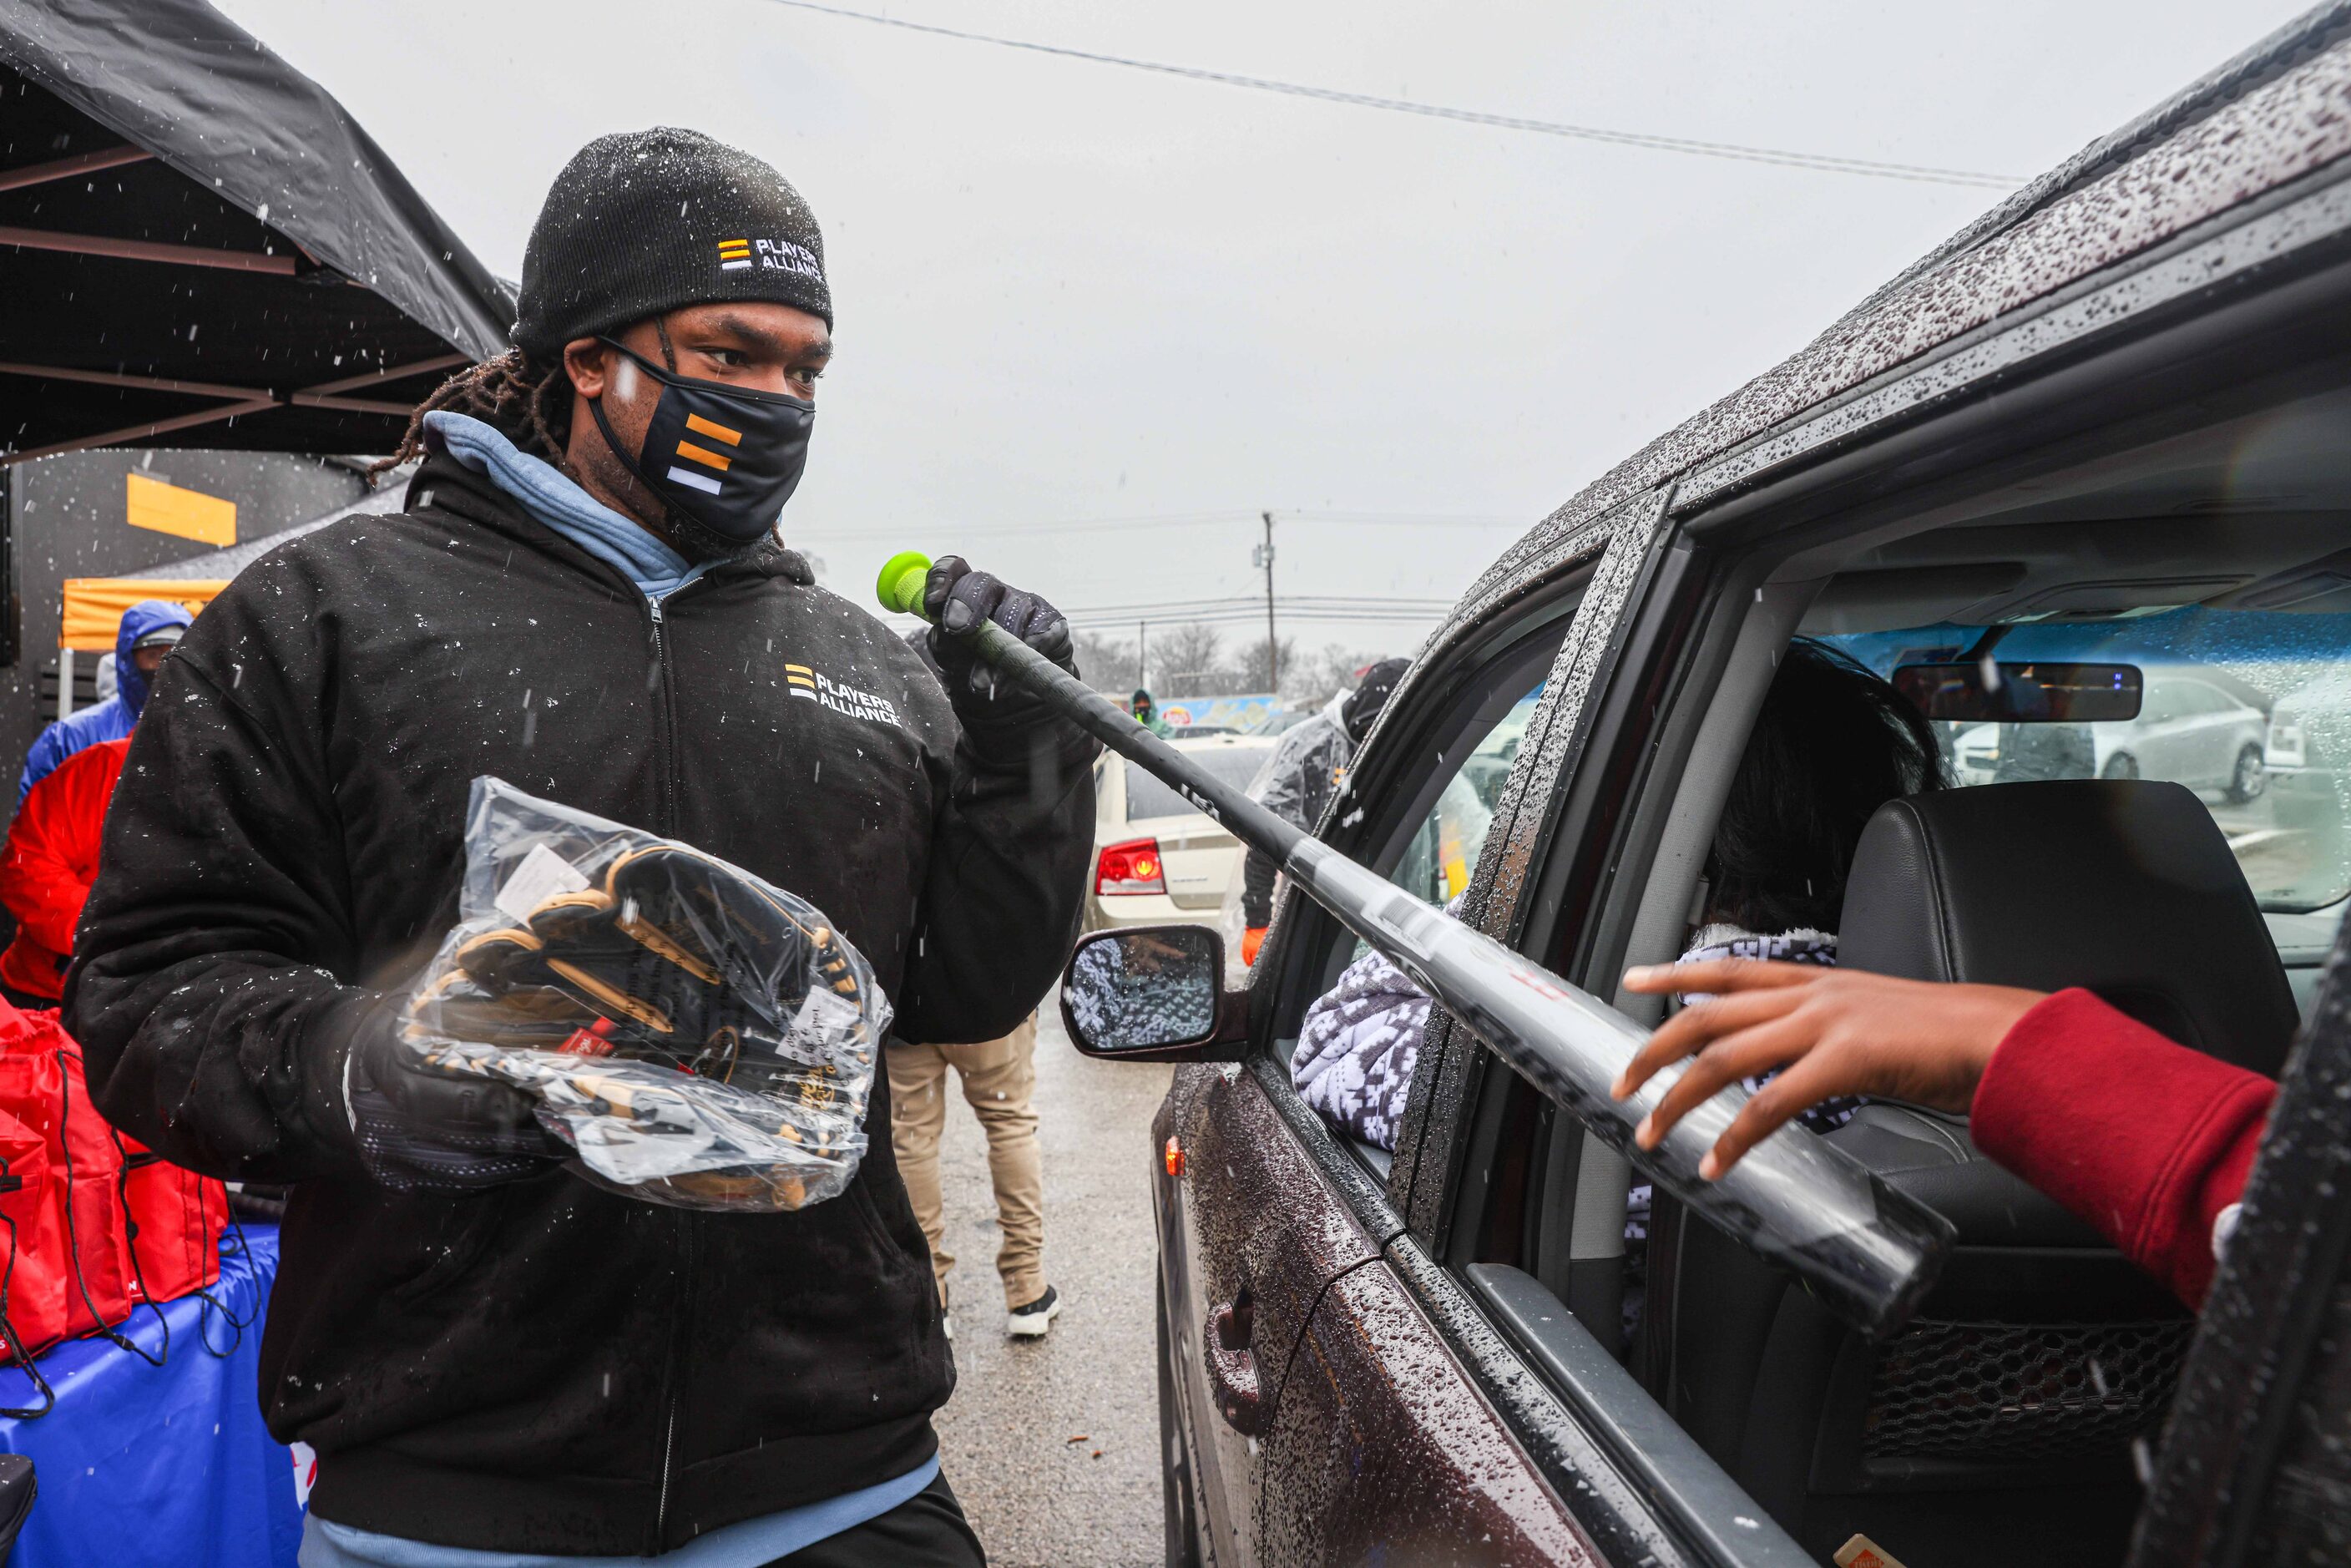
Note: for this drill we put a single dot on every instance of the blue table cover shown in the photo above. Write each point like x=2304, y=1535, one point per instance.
x=168, y=1466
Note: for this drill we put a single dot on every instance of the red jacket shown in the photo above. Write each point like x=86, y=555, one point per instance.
x=50, y=861
x=2141, y=1136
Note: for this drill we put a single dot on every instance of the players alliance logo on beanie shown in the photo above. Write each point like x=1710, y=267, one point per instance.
x=772, y=255
x=643, y=222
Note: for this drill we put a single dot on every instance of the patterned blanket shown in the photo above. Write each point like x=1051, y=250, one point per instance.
x=1358, y=1045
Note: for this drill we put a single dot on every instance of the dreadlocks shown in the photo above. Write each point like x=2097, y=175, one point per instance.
x=528, y=402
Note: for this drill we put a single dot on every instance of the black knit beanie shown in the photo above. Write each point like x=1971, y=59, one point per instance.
x=651, y=221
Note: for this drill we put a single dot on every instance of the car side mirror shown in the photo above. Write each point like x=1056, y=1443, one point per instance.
x=1154, y=993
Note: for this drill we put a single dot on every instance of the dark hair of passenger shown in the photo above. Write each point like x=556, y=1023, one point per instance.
x=1833, y=743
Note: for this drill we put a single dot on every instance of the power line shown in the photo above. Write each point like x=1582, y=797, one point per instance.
x=1249, y=609
x=1211, y=602
x=1316, y=609
x=1401, y=519
x=1250, y=615
x=1175, y=609
x=1194, y=519
x=1924, y=173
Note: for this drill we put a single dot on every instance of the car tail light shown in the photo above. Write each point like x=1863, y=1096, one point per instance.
x=1131, y=867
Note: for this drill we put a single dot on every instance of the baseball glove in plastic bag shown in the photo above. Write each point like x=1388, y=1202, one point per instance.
x=699, y=1037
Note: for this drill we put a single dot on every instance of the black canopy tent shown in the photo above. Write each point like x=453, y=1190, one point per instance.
x=198, y=247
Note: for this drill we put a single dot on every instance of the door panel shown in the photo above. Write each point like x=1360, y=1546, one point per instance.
x=2256, y=1458
x=1386, y=1453
x=1252, y=1235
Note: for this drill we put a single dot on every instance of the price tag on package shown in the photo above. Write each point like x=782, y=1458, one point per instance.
x=542, y=875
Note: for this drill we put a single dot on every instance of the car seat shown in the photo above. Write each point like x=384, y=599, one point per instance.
x=1998, y=1426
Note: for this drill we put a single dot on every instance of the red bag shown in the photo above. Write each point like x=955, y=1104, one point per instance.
x=176, y=1218
x=33, y=1269
x=41, y=1085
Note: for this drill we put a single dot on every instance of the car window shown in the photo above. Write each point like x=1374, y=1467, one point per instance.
x=1443, y=853
x=2272, y=761
x=1233, y=765
x=1358, y=1045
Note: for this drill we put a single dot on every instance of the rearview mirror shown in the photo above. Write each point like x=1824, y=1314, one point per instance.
x=1983, y=692
x=1153, y=993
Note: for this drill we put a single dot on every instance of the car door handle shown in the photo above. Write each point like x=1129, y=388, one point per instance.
x=1232, y=1365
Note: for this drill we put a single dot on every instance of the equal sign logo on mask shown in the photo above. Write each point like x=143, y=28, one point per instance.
x=718, y=461
x=734, y=254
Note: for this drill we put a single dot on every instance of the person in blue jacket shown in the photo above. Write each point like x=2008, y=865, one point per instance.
x=150, y=629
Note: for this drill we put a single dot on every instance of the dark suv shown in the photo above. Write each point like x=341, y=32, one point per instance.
x=2112, y=420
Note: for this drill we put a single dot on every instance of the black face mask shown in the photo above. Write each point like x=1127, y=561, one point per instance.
x=724, y=457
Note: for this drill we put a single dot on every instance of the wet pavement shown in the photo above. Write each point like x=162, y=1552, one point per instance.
x=1052, y=1443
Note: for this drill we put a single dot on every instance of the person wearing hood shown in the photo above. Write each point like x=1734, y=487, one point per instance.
x=587, y=594
x=1298, y=781
x=1146, y=713
x=151, y=629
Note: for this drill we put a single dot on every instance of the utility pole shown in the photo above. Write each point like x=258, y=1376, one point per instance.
x=1272, y=647
x=1143, y=654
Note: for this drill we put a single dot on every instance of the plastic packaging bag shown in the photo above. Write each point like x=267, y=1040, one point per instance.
x=701, y=1037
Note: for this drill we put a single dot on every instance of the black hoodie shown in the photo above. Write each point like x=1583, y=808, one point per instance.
x=546, y=1366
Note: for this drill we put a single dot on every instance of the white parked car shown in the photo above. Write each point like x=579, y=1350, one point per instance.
x=1157, y=860
x=2190, y=731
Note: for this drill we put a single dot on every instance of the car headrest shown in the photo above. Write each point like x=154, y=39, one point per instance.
x=2124, y=886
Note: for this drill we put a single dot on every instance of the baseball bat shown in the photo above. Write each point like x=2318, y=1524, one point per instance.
x=1870, y=1253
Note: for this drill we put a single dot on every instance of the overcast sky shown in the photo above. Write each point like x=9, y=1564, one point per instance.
x=1069, y=293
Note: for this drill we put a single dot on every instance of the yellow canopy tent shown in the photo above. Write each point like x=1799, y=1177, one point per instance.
x=93, y=614
x=94, y=605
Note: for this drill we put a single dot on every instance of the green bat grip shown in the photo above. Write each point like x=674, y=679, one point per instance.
x=900, y=587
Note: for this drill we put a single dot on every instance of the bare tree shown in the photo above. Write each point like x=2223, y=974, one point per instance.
x=1190, y=661
x=1249, y=665
x=1308, y=683
x=1106, y=663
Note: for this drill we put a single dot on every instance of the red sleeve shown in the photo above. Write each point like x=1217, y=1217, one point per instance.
x=52, y=852
x=2141, y=1136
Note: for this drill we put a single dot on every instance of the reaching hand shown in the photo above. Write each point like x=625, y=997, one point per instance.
x=1834, y=1032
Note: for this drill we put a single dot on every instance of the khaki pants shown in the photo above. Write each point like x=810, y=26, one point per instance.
x=999, y=1079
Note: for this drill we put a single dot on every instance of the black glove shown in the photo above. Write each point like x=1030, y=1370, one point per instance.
x=957, y=599
x=422, y=1130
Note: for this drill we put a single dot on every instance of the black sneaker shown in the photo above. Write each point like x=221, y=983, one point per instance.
x=1031, y=1321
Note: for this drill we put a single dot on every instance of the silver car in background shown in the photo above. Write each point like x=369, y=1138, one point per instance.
x=2190, y=729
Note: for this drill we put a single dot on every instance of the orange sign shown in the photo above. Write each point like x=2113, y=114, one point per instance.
x=183, y=513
